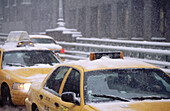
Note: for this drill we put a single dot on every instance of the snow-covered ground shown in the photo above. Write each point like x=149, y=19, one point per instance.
x=12, y=108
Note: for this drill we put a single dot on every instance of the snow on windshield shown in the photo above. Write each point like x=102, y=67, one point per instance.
x=35, y=66
x=29, y=58
x=104, y=85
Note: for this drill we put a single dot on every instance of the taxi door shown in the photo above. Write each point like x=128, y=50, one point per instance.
x=49, y=95
x=72, y=84
x=48, y=101
x=0, y=70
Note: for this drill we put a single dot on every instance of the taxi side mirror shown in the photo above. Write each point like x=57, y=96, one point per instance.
x=70, y=97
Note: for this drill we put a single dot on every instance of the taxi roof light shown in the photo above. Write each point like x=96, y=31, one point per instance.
x=112, y=55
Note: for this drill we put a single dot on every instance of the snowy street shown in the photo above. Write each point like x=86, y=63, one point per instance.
x=12, y=108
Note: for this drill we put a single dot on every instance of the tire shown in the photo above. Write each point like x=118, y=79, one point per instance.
x=36, y=109
x=6, y=96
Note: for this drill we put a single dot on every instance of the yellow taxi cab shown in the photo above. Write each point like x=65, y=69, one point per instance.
x=47, y=42
x=103, y=84
x=19, y=67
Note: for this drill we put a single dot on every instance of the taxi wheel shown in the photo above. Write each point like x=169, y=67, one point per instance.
x=6, y=96
x=36, y=109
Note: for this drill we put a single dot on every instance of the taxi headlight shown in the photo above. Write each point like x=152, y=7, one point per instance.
x=21, y=86
x=31, y=43
x=19, y=43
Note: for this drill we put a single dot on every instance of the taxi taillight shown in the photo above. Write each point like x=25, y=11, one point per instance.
x=112, y=55
x=62, y=51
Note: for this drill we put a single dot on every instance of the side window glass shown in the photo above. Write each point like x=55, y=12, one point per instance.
x=55, y=80
x=73, y=83
x=0, y=53
x=0, y=61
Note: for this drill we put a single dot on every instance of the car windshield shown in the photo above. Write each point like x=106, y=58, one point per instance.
x=43, y=41
x=126, y=84
x=29, y=58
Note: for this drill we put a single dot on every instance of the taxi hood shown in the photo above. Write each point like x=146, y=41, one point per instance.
x=30, y=74
x=158, y=105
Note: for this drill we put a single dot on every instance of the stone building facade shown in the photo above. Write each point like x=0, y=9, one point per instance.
x=123, y=19
x=116, y=19
x=31, y=15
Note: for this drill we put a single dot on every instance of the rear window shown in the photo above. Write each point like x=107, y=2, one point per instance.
x=43, y=41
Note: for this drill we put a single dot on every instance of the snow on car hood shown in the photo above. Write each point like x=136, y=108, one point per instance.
x=49, y=46
x=33, y=73
x=149, y=105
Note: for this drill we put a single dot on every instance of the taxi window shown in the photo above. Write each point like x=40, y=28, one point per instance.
x=73, y=83
x=55, y=80
x=43, y=41
x=125, y=83
x=0, y=55
x=29, y=58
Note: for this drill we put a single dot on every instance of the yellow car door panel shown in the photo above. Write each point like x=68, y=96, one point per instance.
x=48, y=101
x=50, y=98
x=72, y=85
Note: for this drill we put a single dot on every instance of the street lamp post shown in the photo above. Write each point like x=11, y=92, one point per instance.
x=62, y=33
x=60, y=21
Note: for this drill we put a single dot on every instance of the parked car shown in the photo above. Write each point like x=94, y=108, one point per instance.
x=46, y=41
x=19, y=67
x=102, y=85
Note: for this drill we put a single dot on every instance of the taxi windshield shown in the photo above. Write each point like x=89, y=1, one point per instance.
x=29, y=58
x=126, y=84
x=43, y=41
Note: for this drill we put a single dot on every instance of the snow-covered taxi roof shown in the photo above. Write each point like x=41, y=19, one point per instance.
x=40, y=36
x=107, y=63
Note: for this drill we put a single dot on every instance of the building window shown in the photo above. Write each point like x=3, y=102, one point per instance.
x=162, y=22
x=82, y=20
x=105, y=20
x=72, y=14
x=94, y=21
x=122, y=13
x=26, y=2
x=137, y=18
x=7, y=4
x=14, y=3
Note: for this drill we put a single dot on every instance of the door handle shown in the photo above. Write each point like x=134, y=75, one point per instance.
x=56, y=104
x=41, y=96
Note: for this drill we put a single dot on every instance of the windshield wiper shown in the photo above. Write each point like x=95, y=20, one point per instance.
x=149, y=97
x=15, y=64
x=111, y=97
